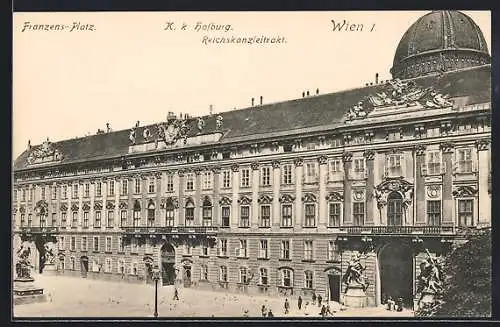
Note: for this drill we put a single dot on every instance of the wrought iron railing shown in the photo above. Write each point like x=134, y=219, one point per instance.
x=425, y=230
x=39, y=230
x=171, y=230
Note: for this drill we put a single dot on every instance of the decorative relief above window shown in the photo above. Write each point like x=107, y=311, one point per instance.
x=465, y=191
x=309, y=198
x=244, y=200
x=170, y=202
x=286, y=198
x=225, y=201
x=393, y=185
x=434, y=191
x=334, y=197
x=265, y=199
x=97, y=205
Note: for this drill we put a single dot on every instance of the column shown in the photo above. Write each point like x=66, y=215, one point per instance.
x=447, y=196
x=104, y=211
x=216, y=215
x=144, y=203
x=322, y=210
x=117, y=203
x=91, y=204
x=347, y=217
x=299, y=170
x=130, y=208
x=484, y=201
x=198, y=201
x=419, y=201
x=80, y=204
x=236, y=190
x=180, y=186
x=276, y=194
x=254, y=220
x=370, y=186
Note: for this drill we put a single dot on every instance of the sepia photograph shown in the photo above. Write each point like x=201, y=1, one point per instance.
x=240, y=165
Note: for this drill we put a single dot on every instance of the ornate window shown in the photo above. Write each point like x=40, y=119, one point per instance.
x=311, y=174
x=394, y=209
x=394, y=165
x=151, y=185
x=286, y=277
x=308, y=250
x=286, y=215
x=263, y=276
x=285, y=250
x=242, y=250
x=226, y=179
x=137, y=185
x=151, y=213
x=190, y=182
x=223, y=274
x=226, y=213
x=207, y=212
x=189, y=211
x=334, y=214
x=244, y=216
x=108, y=244
x=263, y=249
x=434, y=212
x=85, y=219
x=358, y=167
x=308, y=279
x=286, y=174
x=433, y=162
x=124, y=188
x=207, y=180
x=243, y=275
x=265, y=177
x=63, y=219
x=137, y=213
x=74, y=221
x=335, y=169
x=123, y=218
x=464, y=161
x=310, y=215
x=111, y=219
x=111, y=188
x=84, y=243
x=265, y=215
x=169, y=213
x=96, y=244
x=465, y=212
x=170, y=183
x=222, y=249
x=245, y=177
x=358, y=213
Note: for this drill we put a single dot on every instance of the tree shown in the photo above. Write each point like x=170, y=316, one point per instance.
x=467, y=280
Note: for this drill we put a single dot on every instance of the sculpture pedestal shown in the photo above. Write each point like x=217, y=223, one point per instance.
x=355, y=297
x=25, y=291
x=427, y=298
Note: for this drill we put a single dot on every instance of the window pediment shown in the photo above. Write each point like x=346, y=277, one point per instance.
x=244, y=200
x=265, y=199
x=225, y=201
x=309, y=197
x=286, y=198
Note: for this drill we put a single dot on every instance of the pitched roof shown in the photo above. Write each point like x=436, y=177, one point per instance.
x=472, y=85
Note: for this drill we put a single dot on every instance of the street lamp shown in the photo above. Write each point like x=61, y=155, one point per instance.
x=156, y=278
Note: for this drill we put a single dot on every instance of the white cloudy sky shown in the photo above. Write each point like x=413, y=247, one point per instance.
x=68, y=84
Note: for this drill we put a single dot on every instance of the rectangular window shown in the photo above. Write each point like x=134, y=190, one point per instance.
x=434, y=163
x=394, y=166
x=464, y=160
x=111, y=219
x=263, y=276
x=43, y=221
x=434, y=212
x=286, y=278
x=358, y=213
x=190, y=182
x=54, y=193
x=151, y=185
x=32, y=194
x=189, y=216
x=222, y=248
x=42, y=192
x=207, y=180
x=108, y=265
x=308, y=279
x=96, y=244
x=23, y=195
x=226, y=212
x=244, y=216
x=121, y=266
x=75, y=191
x=286, y=174
x=61, y=243
x=334, y=215
x=310, y=215
x=124, y=188
x=286, y=215
x=223, y=274
x=170, y=183
x=242, y=251
x=245, y=177
x=263, y=249
x=54, y=219
x=64, y=192
x=111, y=188
x=98, y=189
x=63, y=219
x=134, y=246
x=308, y=250
x=265, y=216
x=285, y=250
x=86, y=190
x=226, y=179
x=85, y=219
x=97, y=218
x=359, y=167
x=311, y=175
x=137, y=186
x=151, y=217
x=30, y=219
x=123, y=218
x=333, y=254
x=335, y=169
x=74, y=221
x=204, y=250
x=137, y=218
x=204, y=272
x=134, y=269
x=243, y=275
x=121, y=246
x=265, y=176
x=84, y=243
x=465, y=213
x=72, y=245
x=207, y=216
x=169, y=217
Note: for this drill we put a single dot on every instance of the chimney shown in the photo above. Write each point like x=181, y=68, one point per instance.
x=376, y=78
x=303, y=94
x=211, y=110
x=137, y=124
x=261, y=100
x=29, y=144
x=252, y=101
x=108, y=129
x=317, y=91
x=307, y=93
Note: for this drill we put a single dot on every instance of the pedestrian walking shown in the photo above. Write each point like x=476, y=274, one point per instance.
x=287, y=306
x=323, y=311
x=176, y=294
x=400, y=304
x=319, y=300
x=264, y=311
x=314, y=298
x=270, y=313
x=299, y=302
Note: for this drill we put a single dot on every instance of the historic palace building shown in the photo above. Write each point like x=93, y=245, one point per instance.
x=276, y=198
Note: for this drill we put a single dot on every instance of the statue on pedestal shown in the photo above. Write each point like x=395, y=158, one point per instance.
x=49, y=255
x=23, y=264
x=430, y=280
x=354, y=274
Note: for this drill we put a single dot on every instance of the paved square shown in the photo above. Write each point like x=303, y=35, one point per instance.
x=77, y=297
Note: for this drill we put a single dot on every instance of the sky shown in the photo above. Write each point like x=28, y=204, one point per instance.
x=121, y=67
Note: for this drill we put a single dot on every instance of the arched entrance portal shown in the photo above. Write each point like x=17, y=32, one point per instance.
x=168, y=264
x=396, y=272
x=84, y=266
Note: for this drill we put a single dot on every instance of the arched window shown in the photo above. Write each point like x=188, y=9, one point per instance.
x=207, y=212
x=263, y=276
x=151, y=213
x=189, y=217
x=137, y=213
x=394, y=209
